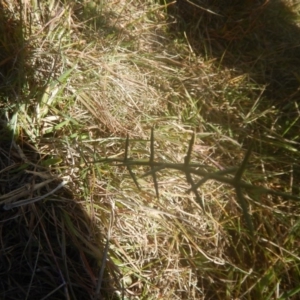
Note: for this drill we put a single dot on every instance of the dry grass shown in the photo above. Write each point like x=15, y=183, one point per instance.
x=77, y=77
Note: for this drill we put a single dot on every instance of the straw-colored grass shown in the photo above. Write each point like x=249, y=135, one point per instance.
x=77, y=77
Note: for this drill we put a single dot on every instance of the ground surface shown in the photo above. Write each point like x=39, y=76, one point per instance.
x=78, y=219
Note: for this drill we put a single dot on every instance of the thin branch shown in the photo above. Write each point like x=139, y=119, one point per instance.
x=127, y=166
x=151, y=161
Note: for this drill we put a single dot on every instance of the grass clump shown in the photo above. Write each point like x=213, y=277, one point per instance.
x=86, y=75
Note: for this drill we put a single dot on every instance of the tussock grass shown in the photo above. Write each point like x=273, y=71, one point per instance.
x=77, y=78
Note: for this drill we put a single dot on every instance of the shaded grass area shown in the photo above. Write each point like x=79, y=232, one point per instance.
x=98, y=71
x=50, y=246
x=257, y=39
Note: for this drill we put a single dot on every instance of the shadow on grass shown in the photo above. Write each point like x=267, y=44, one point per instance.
x=258, y=38
x=50, y=247
x=12, y=55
